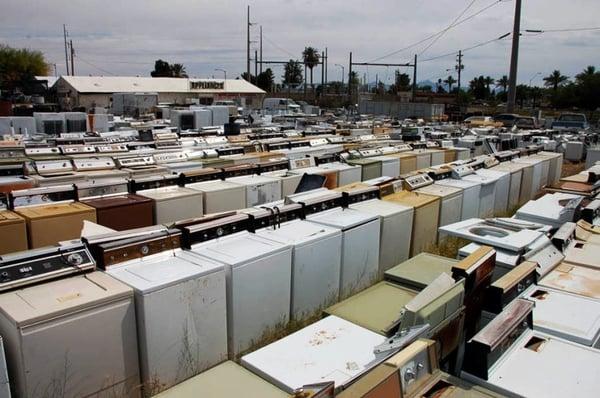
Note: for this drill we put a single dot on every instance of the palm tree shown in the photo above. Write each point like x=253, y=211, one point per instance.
x=502, y=82
x=450, y=81
x=178, y=70
x=488, y=82
x=587, y=72
x=311, y=57
x=555, y=79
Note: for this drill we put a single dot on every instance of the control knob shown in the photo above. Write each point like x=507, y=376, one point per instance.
x=75, y=259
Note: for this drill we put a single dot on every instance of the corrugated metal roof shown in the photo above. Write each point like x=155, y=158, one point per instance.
x=125, y=84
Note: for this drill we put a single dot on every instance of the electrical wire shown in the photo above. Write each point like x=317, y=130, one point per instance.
x=94, y=66
x=495, y=3
x=278, y=47
x=565, y=30
x=504, y=36
x=442, y=33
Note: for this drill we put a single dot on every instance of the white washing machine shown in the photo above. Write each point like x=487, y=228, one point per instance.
x=258, y=279
x=220, y=195
x=174, y=203
x=451, y=199
x=390, y=165
x=331, y=349
x=423, y=158
x=536, y=175
x=71, y=337
x=565, y=315
x=553, y=209
x=487, y=193
x=259, y=189
x=516, y=180
x=471, y=195
x=360, y=246
x=4, y=382
x=556, y=162
x=316, y=264
x=396, y=230
x=289, y=181
x=181, y=313
x=502, y=188
x=347, y=174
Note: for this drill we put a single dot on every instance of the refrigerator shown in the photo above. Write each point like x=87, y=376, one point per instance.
x=360, y=246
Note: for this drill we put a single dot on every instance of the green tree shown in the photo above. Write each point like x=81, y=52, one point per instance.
x=19, y=66
x=178, y=70
x=265, y=80
x=450, y=82
x=488, y=80
x=292, y=75
x=503, y=83
x=252, y=78
x=555, y=79
x=478, y=88
x=311, y=57
x=401, y=82
x=587, y=73
x=161, y=69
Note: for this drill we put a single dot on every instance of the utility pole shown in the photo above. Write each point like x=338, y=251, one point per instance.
x=326, y=65
x=350, y=78
x=66, y=53
x=322, y=69
x=414, y=85
x=459, y=67
x=261, y=58
x=514, y=60
x=255, y=64
x=72, y=55
x=248, y=45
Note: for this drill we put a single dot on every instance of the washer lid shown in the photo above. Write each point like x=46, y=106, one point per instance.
x=170, y=192
x=564, y=315
x=342, y=218
x=381, y=207
x=298, y=232
x=253, y=180
x=239, y=248
x=212, y=186
x=61, y=297
x=440, y=190
x=154, y=272
x=464, y=184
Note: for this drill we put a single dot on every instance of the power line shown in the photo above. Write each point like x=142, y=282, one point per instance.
x=504, y=36
x=448, y=28
x=540, y=31
x=495, y=3
x=278, y=47
x=94, y=66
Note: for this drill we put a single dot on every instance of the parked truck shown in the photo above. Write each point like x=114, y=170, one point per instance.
x=571, y=121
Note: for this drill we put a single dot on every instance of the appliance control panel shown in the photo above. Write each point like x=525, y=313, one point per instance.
x=77, y=149
x=41, y=151
x=461, y=170
x=88, y=164
x=30, y=267
x=139, y=161
x=417, y=181
x=50, y=167
x=112, y=148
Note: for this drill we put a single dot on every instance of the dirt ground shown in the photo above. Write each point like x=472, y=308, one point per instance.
x=571, y=168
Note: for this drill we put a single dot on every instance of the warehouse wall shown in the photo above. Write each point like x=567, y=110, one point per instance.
x=402, y=110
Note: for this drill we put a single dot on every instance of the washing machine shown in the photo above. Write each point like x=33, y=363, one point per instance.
x=360, y=246
x=220, y=196
x=516, y=171
x=115, y=207
x=289, y=180
x=451, y=199
x=536, y=175
x=225, y=380
x=396, y=230
x=423, y=158
x=259, y=188
x=408, y=162
x=503, y=179
x=347, y=174
x=370, y=168
x=331, y=349
x=390, y=166
x=419, y=271
x=574, y=279
x=471, y=194
x=258, y=281
x=316, y=264
x=71, y=337
x=552, y=209
x=180, y=305
x=174, y=203
x=51, y=214
x=487, y=193
x=13, y=230
x=426, y=216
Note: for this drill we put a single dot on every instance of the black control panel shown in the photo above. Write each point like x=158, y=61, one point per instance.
x=140, y=185
x=214, y=229
x=273, y=165
x=17, y=271
x=361, y=195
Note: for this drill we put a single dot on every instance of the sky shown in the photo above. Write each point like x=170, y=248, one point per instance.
x=125, y=37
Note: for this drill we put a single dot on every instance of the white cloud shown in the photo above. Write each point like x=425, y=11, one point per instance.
x=125, y=37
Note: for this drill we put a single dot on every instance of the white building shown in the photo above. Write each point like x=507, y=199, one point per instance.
x=97, y=91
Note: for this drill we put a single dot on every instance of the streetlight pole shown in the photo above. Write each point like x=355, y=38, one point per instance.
x=343, y=73
x=224, y=72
